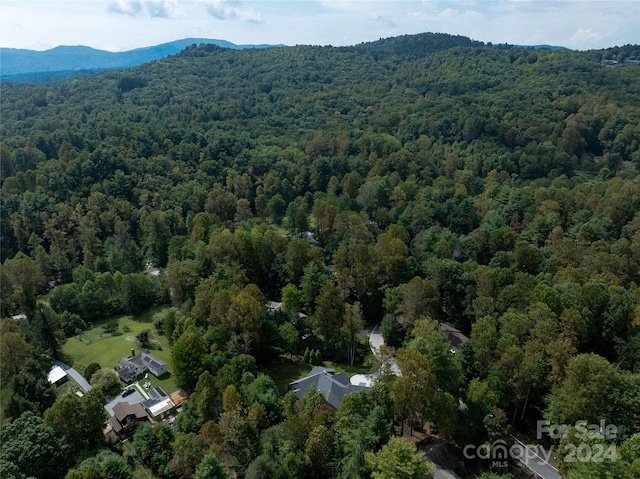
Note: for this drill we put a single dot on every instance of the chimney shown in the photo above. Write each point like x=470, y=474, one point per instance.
x=133, y=353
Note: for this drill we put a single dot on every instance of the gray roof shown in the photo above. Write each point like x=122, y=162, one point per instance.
x=150, y=402
x=154, y=364
x=142, y=360
x=334, y=386
x=124, y=363
x=157, y=393
x=454, y=336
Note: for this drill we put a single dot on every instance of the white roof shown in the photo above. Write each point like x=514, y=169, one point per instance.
x=361, y=380
x=161, y=406
x=56, y=374
x=273, y=305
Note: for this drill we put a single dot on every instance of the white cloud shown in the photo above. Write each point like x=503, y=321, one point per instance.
x=454, y=16
x=347, y=5
x=386, y=22
x=149, y=8
x=233, y=10
x=585, y=36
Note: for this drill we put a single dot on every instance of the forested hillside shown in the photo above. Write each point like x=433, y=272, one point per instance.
x=407, y=182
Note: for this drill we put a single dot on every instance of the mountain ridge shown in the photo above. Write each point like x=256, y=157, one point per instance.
x=64, y=61
x=23, y=63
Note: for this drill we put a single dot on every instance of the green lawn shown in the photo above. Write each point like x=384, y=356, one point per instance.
x=99, y=346
x=283, y=371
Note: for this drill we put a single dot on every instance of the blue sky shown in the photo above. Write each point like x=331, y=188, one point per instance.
x=119, y=25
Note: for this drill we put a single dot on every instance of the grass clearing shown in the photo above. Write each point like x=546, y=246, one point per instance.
x=97, y=345
x=285, y=370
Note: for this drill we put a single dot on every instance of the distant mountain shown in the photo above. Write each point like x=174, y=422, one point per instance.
x=536, y=47
x=23, y=64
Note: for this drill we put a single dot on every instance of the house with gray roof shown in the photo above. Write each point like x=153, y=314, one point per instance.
x=454, y=336
x=130, y=368
x=334, y=386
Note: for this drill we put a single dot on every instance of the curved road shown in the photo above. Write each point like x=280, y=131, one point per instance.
x=77, y=377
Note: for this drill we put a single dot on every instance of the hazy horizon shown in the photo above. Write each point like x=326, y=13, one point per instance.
x=122, y=25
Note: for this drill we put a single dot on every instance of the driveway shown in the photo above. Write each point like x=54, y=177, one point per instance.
x=444, y=474
x=537, y=464
x=376, y=341
x=77, y=377
x=135, y=398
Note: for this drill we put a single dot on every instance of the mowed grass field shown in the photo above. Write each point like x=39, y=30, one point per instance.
x=96, y=345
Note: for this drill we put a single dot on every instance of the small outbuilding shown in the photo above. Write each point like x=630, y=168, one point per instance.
x=57, y=376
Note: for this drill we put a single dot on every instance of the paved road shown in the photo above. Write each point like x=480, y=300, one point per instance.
x=537, y=464
x=82, y=382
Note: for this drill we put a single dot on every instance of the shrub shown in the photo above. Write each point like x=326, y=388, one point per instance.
x=111, y=326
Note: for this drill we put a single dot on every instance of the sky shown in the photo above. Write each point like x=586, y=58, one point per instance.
x=119, y=25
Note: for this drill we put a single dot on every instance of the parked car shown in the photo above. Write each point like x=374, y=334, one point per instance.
x=129, y=390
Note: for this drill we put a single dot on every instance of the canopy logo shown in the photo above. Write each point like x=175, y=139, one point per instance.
x=500, y=452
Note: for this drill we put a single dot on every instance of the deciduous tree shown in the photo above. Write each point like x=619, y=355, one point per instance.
x=34, y=448
x=187, y=355
x=399, y=459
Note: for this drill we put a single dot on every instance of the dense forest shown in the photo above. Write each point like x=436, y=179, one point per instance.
x=405, y=183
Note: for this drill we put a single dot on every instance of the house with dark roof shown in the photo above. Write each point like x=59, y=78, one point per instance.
x=454, y=336
x=130, y=368
x=334, y=386
x=126, y=418
x=159, y=405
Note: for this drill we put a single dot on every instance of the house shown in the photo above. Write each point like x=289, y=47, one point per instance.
x=156, y=366
x=334, y=386
x=308, y=235
x=57, y=376
x=454, y=336
x=128, y=371
x=277, y=306
x=126, y=418
x=159, y=405
x=130, y=368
